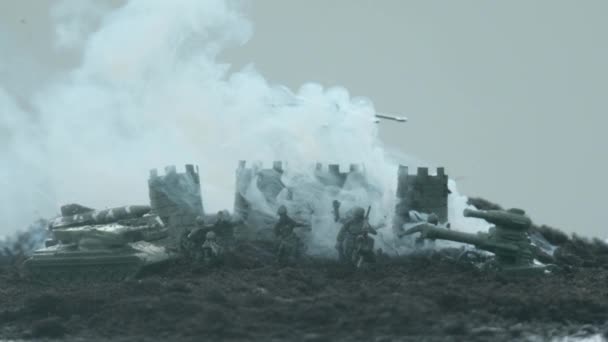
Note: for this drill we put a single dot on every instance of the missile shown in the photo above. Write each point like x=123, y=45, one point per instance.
x=389, y=117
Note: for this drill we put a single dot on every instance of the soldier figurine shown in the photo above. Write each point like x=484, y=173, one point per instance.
x=288, y=243
x=224, y=229
x=192, y=240
x=211, y=250
x=364, y=250
x=350, y=231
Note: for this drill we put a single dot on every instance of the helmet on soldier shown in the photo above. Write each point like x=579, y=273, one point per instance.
x=359, y=213
x=282, y=210
x=210, y=235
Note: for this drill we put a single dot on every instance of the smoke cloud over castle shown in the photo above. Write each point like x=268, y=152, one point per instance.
x=149, y=90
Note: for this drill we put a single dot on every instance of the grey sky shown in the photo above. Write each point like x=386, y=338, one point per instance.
x=509, y=96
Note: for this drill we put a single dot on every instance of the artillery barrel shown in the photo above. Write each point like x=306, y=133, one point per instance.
x=480, y=241
x=501, y=218
x=432, y=232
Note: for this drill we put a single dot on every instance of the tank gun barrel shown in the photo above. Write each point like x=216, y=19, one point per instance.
x=501, y=218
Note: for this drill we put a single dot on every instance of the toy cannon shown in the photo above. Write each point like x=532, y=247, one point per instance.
x=508, y=239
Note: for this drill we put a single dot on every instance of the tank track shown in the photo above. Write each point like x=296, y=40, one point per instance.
x=83, y=269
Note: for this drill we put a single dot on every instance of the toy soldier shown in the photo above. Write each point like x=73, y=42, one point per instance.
x=192, y=240
x=364, y=250
x=288, y=242
x=224, y=228
x=349, y=232
x=211, y=250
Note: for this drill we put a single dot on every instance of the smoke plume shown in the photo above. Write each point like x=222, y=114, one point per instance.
x=149, y=91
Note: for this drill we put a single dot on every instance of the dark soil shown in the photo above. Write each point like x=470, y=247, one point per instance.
x=416, y=298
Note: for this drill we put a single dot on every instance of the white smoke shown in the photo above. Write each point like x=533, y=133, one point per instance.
x=457, y=203
x=74, y=19
x=149, y=92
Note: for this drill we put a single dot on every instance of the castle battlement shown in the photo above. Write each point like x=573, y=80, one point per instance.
x=422, y=171
x=259, y=165
x=279, y=166
x=171, y=170
x=338, y=169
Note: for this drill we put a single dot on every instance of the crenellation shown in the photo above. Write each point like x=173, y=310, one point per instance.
x=277, y=166
x=170, y=169
x=334, y=169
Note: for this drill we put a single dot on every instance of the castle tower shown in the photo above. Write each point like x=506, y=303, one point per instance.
x=176, y=198
x=421, y=192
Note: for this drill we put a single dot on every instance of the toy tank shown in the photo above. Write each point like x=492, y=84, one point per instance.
x=97, y=245
x=508, y=239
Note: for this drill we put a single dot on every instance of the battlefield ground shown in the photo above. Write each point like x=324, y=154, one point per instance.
x=424, y=296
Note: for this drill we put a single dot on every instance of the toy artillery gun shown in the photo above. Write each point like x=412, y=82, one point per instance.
x=508, y=239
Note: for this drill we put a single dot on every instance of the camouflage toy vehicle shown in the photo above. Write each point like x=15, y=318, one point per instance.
x=111, y=244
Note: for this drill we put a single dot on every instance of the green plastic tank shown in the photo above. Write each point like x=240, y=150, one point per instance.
x=96, y=245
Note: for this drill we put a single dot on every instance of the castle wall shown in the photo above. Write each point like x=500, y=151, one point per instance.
x=332, y=175
x=269, y=180
x=176, y=198
x=421, y=191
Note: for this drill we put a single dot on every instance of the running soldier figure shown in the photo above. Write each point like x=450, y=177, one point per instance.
x=356, y=226
x=364, y=250
x=224, y=229
x=289, y=245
